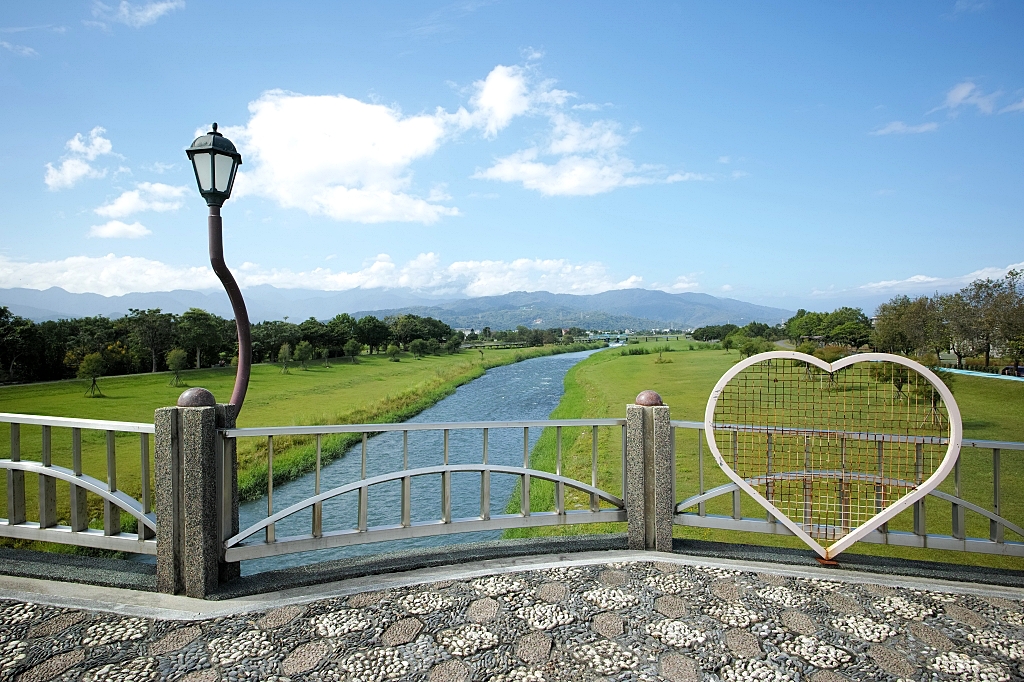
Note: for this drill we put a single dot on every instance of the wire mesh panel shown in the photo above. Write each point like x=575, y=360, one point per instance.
x=831, y=450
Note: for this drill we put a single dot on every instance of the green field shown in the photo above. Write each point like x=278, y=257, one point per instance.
x=373, y=390
x=602, y=386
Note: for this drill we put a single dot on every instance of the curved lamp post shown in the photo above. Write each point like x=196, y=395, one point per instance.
x=215, y=161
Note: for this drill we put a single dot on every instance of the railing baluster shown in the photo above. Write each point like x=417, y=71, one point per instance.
x=47, y=487
x=919, y=516
x=446, y=447
x=446, y=497
x=880, y=490
x=111, y=512
x=270, y=486
x=623, y=453
x=524, y=507
x=318, y=507
x=79, y=503
x=406, y=501
x=594, y=501
x=485, y=486
x=701, y=507
x=959, y=531
x=406, y=483
x=995, y=529
x=770, y=484
x=146, y=491
x=363, y=512
x=15, y=481
x=737, y=510
x=559, y=486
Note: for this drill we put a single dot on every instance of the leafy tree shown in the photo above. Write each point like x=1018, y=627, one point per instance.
x=92, y=368
x=340, y=329
x=372, y=332
x=16, y=334
x=325, y=354
x=418, y=347
x=713, y=332
x=1010, y=307
x=267, y=338
x=284, y=356
x=728, y=343
x=353, y=348
x=961, y=321
x=984, y=296
x=901, y=325
x=202, y=331
x=149, y=331
x=392, y=352
x=433, y=347
x=314, y=331
x=453, y=344
x=304, y=353
x=177, y=360
x=753, y=346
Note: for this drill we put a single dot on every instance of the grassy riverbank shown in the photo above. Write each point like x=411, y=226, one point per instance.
x=602, y=385
x=373, y=390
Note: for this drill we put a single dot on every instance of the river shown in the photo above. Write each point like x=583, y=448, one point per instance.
x=521, y=391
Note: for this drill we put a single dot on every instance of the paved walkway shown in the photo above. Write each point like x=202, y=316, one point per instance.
x=616, y=616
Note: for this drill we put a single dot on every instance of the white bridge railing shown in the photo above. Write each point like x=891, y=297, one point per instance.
x=693, y=512
x=61, y=438
x=605, y=504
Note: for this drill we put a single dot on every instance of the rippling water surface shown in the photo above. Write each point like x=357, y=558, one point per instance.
x=521, y=391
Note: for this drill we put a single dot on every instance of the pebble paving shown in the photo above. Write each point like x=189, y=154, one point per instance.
x=627, y=622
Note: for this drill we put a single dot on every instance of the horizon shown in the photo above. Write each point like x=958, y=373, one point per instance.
x=793, y=157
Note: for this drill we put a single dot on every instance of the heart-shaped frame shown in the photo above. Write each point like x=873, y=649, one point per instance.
x=918, y=492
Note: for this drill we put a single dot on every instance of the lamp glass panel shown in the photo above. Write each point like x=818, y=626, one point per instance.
x=223, y=170
x=204, y=170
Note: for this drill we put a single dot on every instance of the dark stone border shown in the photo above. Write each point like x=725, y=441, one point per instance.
x=408, y=560
x=861, y=563
x=137, y=575
x=77, y=568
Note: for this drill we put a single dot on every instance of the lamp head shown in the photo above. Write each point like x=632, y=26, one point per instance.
x=215, y=161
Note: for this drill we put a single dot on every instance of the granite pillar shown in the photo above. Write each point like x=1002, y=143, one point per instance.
x=195, y=469
x=650, y=474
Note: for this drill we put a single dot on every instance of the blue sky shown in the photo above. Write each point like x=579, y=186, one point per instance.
x=795, y=154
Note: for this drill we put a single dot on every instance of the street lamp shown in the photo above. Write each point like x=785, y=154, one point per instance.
x=215, y=161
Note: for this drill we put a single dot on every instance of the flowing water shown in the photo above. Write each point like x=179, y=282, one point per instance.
x=521, y=391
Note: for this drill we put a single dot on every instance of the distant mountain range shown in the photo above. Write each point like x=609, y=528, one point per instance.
x=619, y=309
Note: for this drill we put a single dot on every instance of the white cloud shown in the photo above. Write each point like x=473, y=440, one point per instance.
x=500, y=97
x=21, y=50
x=69, y=172
x=115, y=229
x=149, y=196
x=1016, y=106
x=967, y=93
x=135, y=15
x=921, y=284
x=724, y=159
x=683, y=283
x=112, y=276
x=901, y=128
x=338, y=156
x=578, y=158
x=108, y=275
x=687, y=177
x=726, y=287
x=75, y=166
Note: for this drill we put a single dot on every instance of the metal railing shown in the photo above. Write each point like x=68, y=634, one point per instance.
x=115, y=501
x=603, y=506
x=957, y=539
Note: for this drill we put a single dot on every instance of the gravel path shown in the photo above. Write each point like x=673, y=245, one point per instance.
x=622, y=621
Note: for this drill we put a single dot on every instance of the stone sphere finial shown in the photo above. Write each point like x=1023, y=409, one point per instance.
x=196, y=397
x=649, y=399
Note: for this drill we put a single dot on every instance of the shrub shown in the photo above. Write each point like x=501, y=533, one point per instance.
x=392, y=353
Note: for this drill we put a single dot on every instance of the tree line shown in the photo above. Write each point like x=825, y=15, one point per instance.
x=143, y=341
x=984, y=320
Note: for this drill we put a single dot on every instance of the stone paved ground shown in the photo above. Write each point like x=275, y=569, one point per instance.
x=629, y=621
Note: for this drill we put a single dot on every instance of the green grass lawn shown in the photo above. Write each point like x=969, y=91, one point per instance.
x=373, y=390
x=605, y=383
